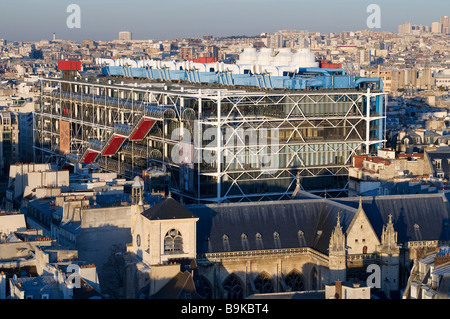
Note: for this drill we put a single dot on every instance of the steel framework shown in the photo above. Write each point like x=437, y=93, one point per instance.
x=220, y=145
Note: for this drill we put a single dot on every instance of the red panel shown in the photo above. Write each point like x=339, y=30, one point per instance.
x=69, y=65
x=142, y=130
x=328, y=65
x=205, y=60
x=90, y=156
x=114, y=145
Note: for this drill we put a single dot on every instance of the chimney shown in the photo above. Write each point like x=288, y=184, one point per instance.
x=2, y=285
x=442, y=257
x=338, y=289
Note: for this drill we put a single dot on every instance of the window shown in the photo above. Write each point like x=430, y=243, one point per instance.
x=263, y=283
x=437, y=163
x=234, y=287
x=173, y=242
x=295, y=281
x=138, y=240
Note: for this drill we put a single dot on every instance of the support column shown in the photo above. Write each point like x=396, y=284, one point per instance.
x=219, y=145
x=368, y=120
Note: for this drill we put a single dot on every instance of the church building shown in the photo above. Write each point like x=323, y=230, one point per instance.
x=235, y=250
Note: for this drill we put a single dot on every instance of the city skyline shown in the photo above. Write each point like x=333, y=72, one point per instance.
x=234, y=150
x=103, y=21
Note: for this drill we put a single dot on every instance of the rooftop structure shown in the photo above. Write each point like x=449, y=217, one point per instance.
x=430, y=275
x=291, y=246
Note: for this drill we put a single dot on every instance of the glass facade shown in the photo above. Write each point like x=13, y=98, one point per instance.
x=217, y=144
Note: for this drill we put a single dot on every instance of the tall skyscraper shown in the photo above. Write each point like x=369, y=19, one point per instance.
x=445, y=25
x=405, y=28
x=125, y=35
x=436, y=27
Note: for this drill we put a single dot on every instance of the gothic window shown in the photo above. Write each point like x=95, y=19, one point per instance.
x=365, y=250
x=314, y=279
x=204, y=287
x=295, y=281
x=233, y=287
x=263, y=283
x=173, y=242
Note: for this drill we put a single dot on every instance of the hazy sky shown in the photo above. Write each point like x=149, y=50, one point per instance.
x=33, y=20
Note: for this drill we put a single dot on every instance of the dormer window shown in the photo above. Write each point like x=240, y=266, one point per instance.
x=437, y=163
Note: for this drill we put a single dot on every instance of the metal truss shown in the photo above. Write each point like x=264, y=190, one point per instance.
x=232, y=134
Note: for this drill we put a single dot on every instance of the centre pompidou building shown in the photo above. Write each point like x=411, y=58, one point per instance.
x=220, y=136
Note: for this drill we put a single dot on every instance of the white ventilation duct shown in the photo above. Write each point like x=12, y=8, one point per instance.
x=283, y=58
x=248, y=56
x=265, y=56
x=304, y=58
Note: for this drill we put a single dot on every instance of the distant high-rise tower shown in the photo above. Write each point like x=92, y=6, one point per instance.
x=186, y=53
x=436, y=27
x=125, y=35
x=54, y=36
x=405, y=28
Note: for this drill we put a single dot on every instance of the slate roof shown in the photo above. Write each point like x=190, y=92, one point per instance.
x=168, y=208
x=36, y=286
x=430, y=212
x=316, y=218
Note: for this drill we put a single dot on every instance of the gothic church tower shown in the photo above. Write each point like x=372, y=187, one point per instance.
x=337, y=254
x=389, y=253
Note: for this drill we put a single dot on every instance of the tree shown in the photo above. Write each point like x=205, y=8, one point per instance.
x=113, y=272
